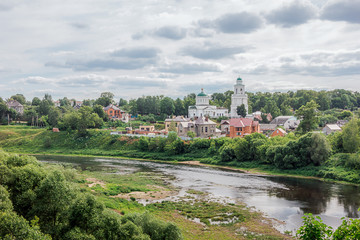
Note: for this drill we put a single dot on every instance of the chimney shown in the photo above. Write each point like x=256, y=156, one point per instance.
x=206, y=118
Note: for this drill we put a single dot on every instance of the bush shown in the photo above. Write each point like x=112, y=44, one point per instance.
x=227, y=153
x=313, y=229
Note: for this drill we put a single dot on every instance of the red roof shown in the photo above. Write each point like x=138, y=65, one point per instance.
x=242, y=122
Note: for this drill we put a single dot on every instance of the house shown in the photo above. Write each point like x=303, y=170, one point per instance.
x=258, y=116
x=331, y=128
x=147, y=128
x=279, y=132
x=18, y=107
x=225, y=126
x=288, y=122
x=202, y=127
x=114, y=112
x=176, y=121
x=267, y=128
x=341, y=123
x=240, y=127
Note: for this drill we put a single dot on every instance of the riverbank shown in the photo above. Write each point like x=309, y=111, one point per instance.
x=99, y=143
x=130, y=188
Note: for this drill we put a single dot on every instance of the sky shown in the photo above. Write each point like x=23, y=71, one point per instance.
x=78, y=49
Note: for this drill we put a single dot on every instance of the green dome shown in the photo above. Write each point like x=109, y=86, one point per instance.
x=239, y=79
x=202, y=94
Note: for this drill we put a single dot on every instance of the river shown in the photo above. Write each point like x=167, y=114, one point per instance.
x=282, y=198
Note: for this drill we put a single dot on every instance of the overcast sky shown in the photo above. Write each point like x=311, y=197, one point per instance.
x=81, y=48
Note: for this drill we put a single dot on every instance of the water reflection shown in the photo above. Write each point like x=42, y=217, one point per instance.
x=315, y=195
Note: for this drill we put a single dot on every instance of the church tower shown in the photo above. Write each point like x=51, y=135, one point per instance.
x=239, y=97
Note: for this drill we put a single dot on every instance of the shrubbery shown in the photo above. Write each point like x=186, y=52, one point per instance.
x=37, y=204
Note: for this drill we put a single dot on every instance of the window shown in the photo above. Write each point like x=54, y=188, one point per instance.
x=206, y=129
x=238, y=133
x=202, y=129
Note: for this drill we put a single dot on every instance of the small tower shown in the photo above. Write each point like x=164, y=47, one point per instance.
x=239, y=97
x=202, y=98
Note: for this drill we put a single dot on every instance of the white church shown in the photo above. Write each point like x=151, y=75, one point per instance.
x=203, y=107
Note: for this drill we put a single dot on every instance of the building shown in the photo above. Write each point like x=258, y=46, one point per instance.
x=279, y=132
x=225, y=126
x=203, y=127
x=18, y=107
x=175, y=121
x=238, y=98
x=288, y=122
x=267, y=128
x=240, y=127
x=114, y=112
x=258, y=116
x=203, y=108
x=331, y=128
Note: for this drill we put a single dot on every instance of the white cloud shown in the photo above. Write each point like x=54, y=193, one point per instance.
x=78, y=49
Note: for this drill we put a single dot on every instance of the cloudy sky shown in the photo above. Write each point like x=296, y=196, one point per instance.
x=81, y=48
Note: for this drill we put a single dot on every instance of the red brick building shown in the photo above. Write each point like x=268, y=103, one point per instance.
x=279, y=132
x=113, y=112
x=240, y=127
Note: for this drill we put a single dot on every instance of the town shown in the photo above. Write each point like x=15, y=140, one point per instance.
x=200, y=120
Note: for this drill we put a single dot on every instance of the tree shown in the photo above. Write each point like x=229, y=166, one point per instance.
x=191, y=134
x=179, y=107
x=122, y=102
x=320, y=148
x=36, y=101
x=309, y=117
x=65, y=102
x=99, y=110
x=350, y=136
x=241, y=110
x=20, y=98
x=52, y=201
x=167, y=106
x=54, y=116
x=313, y=229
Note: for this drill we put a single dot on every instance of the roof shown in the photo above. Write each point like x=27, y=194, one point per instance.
x=176, y=119
x=186, y=124
x=13, y=103
x=282, y=119
x=264, y=127
x=242, y=122
x=202, y=120
x=202, y=94
x=281, y=130
x=224, y=122
x=113, y=107
x=333, y=127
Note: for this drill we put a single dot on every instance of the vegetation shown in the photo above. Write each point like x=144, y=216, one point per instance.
x=314, y=229
x=40, y=203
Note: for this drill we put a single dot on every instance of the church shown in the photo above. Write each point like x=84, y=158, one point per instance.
x=203, y=107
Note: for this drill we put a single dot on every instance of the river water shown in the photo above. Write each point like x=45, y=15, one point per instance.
x=283, y=198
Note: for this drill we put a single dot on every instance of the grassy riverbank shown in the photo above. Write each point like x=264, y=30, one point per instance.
x=192, y=213
x=23, y=139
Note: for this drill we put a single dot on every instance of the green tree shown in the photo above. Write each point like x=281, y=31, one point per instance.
x=179, y=107
x=20, y=98
x=320, y=149
x=350, y=136
x=241, y=110
x=52, y=202
x=54, y=116
x=35, y=101
x=309, y=117
x=313, y=229
x=167, y=106
x=99, y=110
x=122, y=102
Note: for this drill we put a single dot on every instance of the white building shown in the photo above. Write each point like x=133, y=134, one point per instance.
x=203, y=108
x=238, y=98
